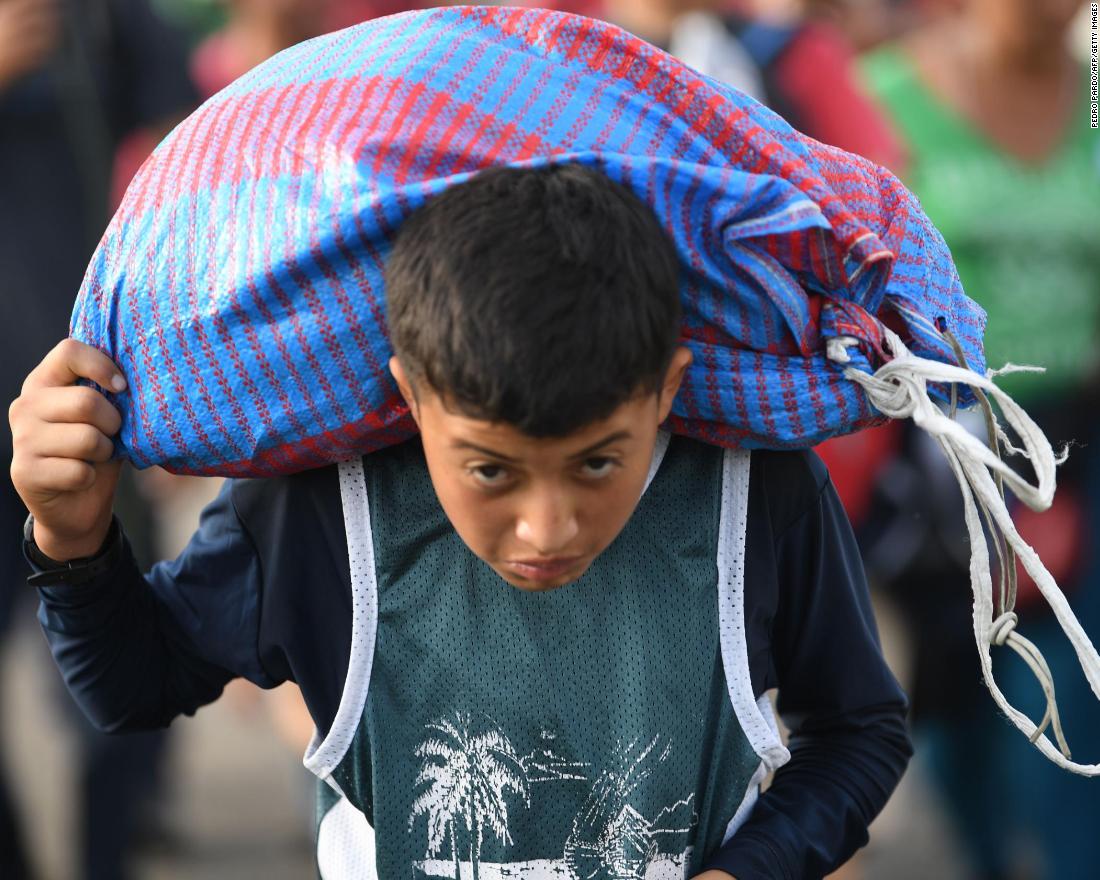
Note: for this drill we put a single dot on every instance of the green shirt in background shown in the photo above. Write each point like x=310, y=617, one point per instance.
x=1025, y=238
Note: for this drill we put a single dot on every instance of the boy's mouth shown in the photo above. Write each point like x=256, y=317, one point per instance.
x=543, y=570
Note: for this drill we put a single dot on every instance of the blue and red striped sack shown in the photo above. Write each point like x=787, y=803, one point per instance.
x=239, y=286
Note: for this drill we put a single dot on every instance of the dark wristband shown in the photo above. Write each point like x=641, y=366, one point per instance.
x=75, y=571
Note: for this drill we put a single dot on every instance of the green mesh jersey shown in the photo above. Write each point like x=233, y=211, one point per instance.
x=605, y=729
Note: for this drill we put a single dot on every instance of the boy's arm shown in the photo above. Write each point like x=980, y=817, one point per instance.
x=136, y=651
x=849, y=742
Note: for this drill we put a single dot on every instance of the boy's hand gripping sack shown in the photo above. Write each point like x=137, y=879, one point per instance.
x=239, y=286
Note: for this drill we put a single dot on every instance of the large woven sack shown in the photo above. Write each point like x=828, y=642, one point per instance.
x=239, y=286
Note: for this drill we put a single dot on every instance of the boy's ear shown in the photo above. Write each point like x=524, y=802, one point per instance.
x=674, y=377
x=405, y=387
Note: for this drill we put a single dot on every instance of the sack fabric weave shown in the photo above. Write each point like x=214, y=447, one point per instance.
x=239, y=286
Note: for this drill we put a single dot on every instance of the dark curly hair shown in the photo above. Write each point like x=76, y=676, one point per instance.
x=542, y=297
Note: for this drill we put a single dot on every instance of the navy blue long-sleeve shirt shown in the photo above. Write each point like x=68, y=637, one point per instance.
x=263, y=592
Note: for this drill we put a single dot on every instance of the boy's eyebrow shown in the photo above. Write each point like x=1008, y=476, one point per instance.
x=465, y=444
x=588, y=450
x=610, y=438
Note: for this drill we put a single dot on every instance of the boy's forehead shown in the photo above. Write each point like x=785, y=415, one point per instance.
x=443, y=422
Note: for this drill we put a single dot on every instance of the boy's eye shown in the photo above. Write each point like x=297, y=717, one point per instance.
x=491, y=475
x=599, y=466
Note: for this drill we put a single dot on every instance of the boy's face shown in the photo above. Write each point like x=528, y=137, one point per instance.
x=540, y=510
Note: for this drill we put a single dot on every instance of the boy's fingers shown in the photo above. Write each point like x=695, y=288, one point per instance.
x=58, y=474
x=71, y=360
x=75, y=404
x=80, y=442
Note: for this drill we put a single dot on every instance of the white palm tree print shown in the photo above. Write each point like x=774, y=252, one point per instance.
x=468, y=774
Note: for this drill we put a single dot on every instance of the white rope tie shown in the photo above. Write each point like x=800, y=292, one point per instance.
x=899, y=390
x=1003, y=633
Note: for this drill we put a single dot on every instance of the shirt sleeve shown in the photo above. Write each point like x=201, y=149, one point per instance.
x=136, y=651
x=849, y=742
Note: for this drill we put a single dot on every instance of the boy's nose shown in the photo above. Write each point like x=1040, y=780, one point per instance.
x=547, y=525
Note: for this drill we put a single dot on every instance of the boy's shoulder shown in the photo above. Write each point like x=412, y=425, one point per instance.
x=801, y=471
x=787, y=484
x=322, y=484
x=783, y=484
x=309, y=502
x=253, y=496
x=295, y=524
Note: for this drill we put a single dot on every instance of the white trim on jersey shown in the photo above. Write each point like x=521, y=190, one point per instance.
x=345, y=844
x=752, y=795
x=322, y=758
x=757, y=720
x=752, y=791
x=659, y=450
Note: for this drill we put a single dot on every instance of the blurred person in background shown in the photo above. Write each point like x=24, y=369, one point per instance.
x=231, y=37
x=869, y=23
x=254, y=31
x=992, y=108
x=74, y=77
x=784, y=53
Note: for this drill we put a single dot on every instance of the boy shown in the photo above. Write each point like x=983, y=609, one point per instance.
x=544, y=646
